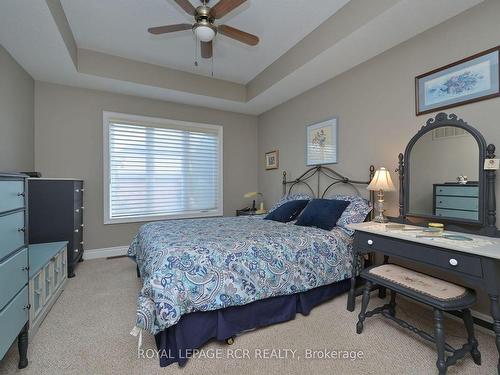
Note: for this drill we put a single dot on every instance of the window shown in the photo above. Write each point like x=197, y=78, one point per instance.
x=159, y=169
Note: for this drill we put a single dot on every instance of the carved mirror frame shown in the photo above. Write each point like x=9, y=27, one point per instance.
x=486, y=223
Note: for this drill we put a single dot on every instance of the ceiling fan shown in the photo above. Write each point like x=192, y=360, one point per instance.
x=204, y=27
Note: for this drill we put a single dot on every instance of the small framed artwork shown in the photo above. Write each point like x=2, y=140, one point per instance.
x=322, y=141
x=466, y=81
x=272, y=160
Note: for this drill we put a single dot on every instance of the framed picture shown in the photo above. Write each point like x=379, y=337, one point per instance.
x=322, y=141
x=272, y=160
x=466, y=81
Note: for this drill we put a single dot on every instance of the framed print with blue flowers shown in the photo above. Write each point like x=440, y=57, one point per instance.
x=322, y=143
x=466, y=81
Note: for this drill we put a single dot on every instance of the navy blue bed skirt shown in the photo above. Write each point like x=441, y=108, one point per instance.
x=196, y=329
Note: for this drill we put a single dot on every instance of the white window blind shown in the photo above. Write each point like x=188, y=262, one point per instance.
x=167, y=171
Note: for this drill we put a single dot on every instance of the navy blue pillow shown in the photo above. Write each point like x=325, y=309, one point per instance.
x=322, y=213
x=287, y=211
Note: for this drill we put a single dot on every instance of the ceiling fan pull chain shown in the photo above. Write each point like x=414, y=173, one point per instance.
x=195, y=51
x=212, y=64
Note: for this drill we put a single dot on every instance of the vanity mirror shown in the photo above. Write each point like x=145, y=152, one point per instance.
x=442, y=176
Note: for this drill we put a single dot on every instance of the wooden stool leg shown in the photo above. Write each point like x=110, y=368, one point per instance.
x=392, y=304
x=440, y=341
x=469, y=325
x=364, y=306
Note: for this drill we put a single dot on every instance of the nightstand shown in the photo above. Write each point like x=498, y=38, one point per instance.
x=248, y=213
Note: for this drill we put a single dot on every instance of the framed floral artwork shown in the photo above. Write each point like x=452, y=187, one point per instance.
x=466, y=81
x=322, y=143
x=272, y=160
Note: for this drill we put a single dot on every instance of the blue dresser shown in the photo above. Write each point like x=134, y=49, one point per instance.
x=457, y=200
x=14, y=265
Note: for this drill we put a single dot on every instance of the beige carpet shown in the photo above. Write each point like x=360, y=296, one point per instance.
x=87, y=332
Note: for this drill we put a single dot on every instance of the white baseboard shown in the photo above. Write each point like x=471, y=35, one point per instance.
x=105, y=252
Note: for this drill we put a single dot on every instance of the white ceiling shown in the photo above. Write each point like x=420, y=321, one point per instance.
x=356, y=33
x=118, y=27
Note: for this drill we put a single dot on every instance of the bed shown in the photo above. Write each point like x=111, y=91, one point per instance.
x=213, y=278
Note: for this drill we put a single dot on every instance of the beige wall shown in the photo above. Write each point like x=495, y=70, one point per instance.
x=68, y=143
x=375, y=103
x=16, y=115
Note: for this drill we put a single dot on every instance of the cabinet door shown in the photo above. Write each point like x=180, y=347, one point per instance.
x=49, y=281
x=57, y=271
x=37, y=284
x=64, y=262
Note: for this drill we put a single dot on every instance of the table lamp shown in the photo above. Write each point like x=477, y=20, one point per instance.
x=253, y=194
x=381, y=182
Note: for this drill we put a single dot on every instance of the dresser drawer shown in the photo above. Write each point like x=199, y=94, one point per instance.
x=457, y=203
x=13, y=276
x=12, y=319
x=460, y=214
x=442, y=258
x=11, y=195
x=11, y=233
x=463, y=191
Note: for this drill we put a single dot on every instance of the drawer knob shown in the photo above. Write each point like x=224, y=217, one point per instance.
x=25, y=268
x=453, y=262
x=76, y=230
x=83, y=208
x=82, y=189
x=77, y=190
x=77, y=210
x=21, y=230
x=81, y=243
x=20, y=194
x=370, y=242
x=76, y=250
x=27, y=307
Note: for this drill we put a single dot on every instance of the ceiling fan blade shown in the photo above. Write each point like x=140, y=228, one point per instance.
x=223, y=7
x=238, y=35
x=206, y=50
x=169, y=28
x=187, y=6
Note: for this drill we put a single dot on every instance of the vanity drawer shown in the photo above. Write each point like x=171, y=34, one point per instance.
x=433, y=256
x=13, y=276
x=457, y=203
x=463, y=191
x=11, y=233
x=12, y=319
x=11, y=195
x=460, y=214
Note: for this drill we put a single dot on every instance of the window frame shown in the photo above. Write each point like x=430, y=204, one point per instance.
x=156, y=122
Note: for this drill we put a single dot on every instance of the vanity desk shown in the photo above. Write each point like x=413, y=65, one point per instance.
x=469, y=248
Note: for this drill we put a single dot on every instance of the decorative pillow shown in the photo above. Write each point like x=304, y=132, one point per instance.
x=287, y=211
x=355, y=213
x=322, y=213
x=288, y=198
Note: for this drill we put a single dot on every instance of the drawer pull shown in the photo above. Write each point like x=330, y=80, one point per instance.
x=81, y=225
x=83, y=208
x=453, y=262
x=370, y=242
x=76, y=250
x=82, y=189
x=77, y=190
x=21, y=230
x=27, y=307
x=25, y=268
x=76, y=230
x=20, y=194
x=77, y=210
x=81, y=242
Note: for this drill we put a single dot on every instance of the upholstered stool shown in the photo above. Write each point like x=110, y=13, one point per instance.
x=440, y=294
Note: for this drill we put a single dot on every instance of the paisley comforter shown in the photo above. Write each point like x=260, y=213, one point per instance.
x=210, y=264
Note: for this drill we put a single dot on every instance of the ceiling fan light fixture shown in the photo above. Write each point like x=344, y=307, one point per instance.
x=204, y=31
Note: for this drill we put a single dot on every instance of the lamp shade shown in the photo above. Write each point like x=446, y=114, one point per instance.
x=381, y=181
x=252, y=194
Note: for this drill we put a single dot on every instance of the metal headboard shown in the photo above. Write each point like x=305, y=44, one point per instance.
x=321, y=170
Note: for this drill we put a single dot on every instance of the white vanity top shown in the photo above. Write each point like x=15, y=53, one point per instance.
x=480, y=245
